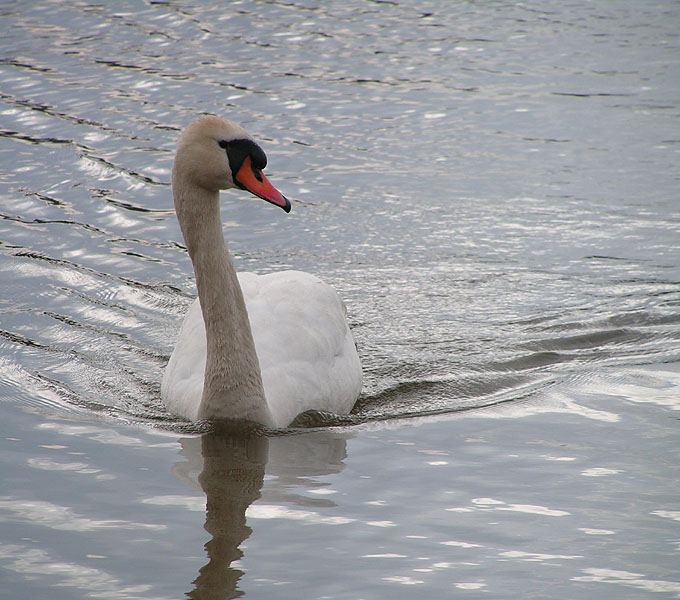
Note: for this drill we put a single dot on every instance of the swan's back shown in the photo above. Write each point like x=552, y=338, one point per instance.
x=306, y=352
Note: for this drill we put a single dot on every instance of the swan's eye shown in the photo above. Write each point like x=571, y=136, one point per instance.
x=237, y=150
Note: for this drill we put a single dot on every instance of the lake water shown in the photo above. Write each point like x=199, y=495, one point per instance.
x=492, y=187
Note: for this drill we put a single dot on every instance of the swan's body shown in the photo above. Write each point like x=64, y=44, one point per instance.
x=260, y=348
x=306, y=353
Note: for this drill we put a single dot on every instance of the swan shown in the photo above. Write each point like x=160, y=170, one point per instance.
x=258, y=348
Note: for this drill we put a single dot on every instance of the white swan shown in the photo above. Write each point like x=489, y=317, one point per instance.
x=259, y=348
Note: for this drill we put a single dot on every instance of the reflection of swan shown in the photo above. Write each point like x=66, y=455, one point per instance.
x=230, y=469
x=302, y=356
x=292, y=461
x=233, y=473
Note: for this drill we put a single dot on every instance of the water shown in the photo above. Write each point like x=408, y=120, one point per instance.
x=493, y=189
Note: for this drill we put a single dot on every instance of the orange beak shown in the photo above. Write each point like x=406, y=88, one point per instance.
x=255, y=182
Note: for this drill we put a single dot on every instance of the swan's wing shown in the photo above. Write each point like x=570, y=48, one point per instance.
x=182, y=385
x=306, y=351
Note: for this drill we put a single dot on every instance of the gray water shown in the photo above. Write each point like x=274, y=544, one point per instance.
x=492, y=187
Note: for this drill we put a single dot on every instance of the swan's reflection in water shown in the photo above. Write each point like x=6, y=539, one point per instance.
x=230, y=468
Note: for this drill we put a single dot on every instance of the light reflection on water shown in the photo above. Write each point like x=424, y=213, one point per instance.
x=493, y=190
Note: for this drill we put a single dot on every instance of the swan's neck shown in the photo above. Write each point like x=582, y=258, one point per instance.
x=232, y=387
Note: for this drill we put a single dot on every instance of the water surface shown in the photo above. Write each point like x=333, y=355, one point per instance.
x=493, y=190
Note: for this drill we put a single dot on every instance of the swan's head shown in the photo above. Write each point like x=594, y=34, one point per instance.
x=217, y=155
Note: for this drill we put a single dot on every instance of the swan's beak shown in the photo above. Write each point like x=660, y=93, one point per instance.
x=256, y=183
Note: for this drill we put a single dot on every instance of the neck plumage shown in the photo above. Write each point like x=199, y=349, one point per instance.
x=232, y=385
